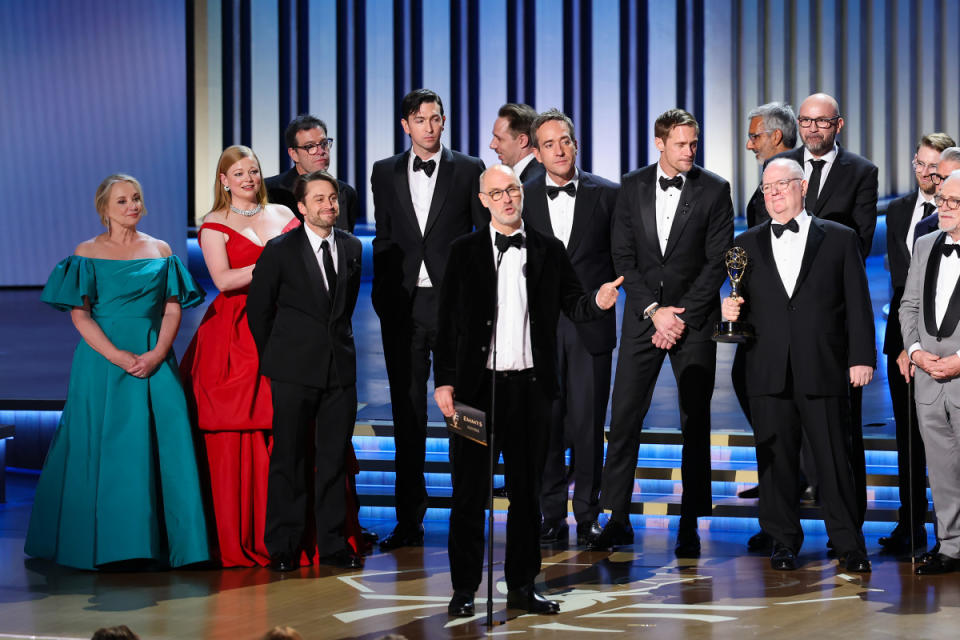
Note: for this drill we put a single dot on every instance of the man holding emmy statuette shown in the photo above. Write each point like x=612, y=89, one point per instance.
x=804, y=290
x=728, y=330
x=502, y=294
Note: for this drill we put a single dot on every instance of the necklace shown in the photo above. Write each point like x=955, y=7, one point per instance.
x=248, y=212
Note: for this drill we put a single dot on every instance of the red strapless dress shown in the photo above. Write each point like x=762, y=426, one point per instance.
x=234, y=412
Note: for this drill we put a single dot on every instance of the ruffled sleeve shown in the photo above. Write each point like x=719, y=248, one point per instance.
x=71, y=280
x=181, y=285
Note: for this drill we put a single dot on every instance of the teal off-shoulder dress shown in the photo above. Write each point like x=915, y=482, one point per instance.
x=120, y=481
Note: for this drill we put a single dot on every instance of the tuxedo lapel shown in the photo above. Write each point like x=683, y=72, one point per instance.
x=402, y=185
x=314, y=275
x=952, y=315
x=587, y=196
x=815, y=236
x=535, y=256
x=688, y=199
x=647, y=199
x=537, y=209
x=342, y=276
x=440, y=190
x=766, y=256
x=838, y=173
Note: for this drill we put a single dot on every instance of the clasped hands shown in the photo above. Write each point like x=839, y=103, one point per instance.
x=860, y=375
x=939, y=367
x=139, y=366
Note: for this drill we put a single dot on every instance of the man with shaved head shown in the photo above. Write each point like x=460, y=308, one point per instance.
x=805, y=292
x=501, y=297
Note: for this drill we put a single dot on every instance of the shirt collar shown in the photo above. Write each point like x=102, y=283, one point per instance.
x=435, y=157
x=921, y=199
x=315, y=240
x=830, y=156
x=522, y=164
x=493, y=232
x=661, y=174
x=575, y=180
x=803, y=221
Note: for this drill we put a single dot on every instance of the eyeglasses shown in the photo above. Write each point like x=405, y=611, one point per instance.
x=937, y=178
x=923, y=167
x=822, y=123
x=314, y=148
x=949, y=204
x=753, y=136
x=773, y=188
x=513, y=191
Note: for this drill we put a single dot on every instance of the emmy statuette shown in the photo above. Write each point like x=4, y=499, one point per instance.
x=727, y=330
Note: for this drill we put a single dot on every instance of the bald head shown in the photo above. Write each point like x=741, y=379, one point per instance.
x=823, y=102
x=785, y=168
x=500, y=168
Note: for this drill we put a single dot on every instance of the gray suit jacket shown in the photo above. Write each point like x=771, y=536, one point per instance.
x=918, y=317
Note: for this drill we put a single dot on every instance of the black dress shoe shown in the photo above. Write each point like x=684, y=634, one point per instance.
x=614, y=534
x=284, y=562
x=898, y=541
x=403, y=537
x=342, y=559
x=688, y=543
x=529, y=599
x=855, y=562
x=783, y=558
x=368, y=536
x=937, y=564
x=760, y=542
x=747, y=494
x=588, y=532
x=461, y=604
x=928, y=555
x=555, y=533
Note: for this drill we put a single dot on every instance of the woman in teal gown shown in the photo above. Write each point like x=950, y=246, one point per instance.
x=120, y=481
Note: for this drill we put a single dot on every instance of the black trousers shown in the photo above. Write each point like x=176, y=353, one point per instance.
x=311, y=429
x=578, y=416
x=409, y=338
x=520, y=424
x=858, y=459
x=824, y=421
x=908, y=438
x=694, y=364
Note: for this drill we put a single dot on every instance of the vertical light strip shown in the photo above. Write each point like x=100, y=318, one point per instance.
x=264, y=84
x=876, y=146
x=776, y=56
x=750, y=30
x=828, y=33
x=493, y=71
x=927, y=80
x=949, y=52
x=660, y=92
x=325, y=98
x=208, y=102
x=605, y=94
x=804, y=49
x=436, y=56
x=720, y=149
x=904, y=89
x=381, y=117
x=854, y=103
x=549, y=64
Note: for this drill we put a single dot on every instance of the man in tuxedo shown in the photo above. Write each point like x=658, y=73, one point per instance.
x=423, y=199
x=309, y=148
x=772, y=130
x=673, y=221
x=504, y=273
x=575, y=207
x=299, y=308
x=949, y=162
x=842, y=188
x=512, y=140
x=903, y=216
x=805, y=293
x=929, y=312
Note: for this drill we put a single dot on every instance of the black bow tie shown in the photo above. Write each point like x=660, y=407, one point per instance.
x=950, y=248
x=570, y=189
x=505, y=242
x=675, y=181
x=427, y=166
x=778, y=229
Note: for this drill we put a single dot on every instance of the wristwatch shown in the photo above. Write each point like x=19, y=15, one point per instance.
x=651, y=311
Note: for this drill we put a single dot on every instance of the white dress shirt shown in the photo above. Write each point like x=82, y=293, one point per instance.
x=522, y=164
x=915, y=218
x=316, y=243
x=421, y=193
x=667, y=202
x=829, y=157
x=788, y=251
x=513, y=348
x=946, y=281
x=561, y=209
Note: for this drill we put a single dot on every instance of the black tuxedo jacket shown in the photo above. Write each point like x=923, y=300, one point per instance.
x=756, y=210
x=849, y=196
x=532, y=171
x=280, y=191
x=399, y=247
x=928, y=225
x=468, y=304
x=589, y=245
x=899, y=213
x=302, y=336
x=822, y=329
x=689, y=273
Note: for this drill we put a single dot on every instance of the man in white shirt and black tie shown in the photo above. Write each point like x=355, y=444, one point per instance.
x=805, y=292
x=518, y=307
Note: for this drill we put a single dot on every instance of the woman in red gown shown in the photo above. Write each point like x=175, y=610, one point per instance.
x=221, y=368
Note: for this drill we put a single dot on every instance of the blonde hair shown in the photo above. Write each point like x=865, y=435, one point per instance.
x=230, y=156
x=102, y=197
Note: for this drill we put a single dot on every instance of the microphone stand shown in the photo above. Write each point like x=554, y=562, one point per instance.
x=491, y=439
